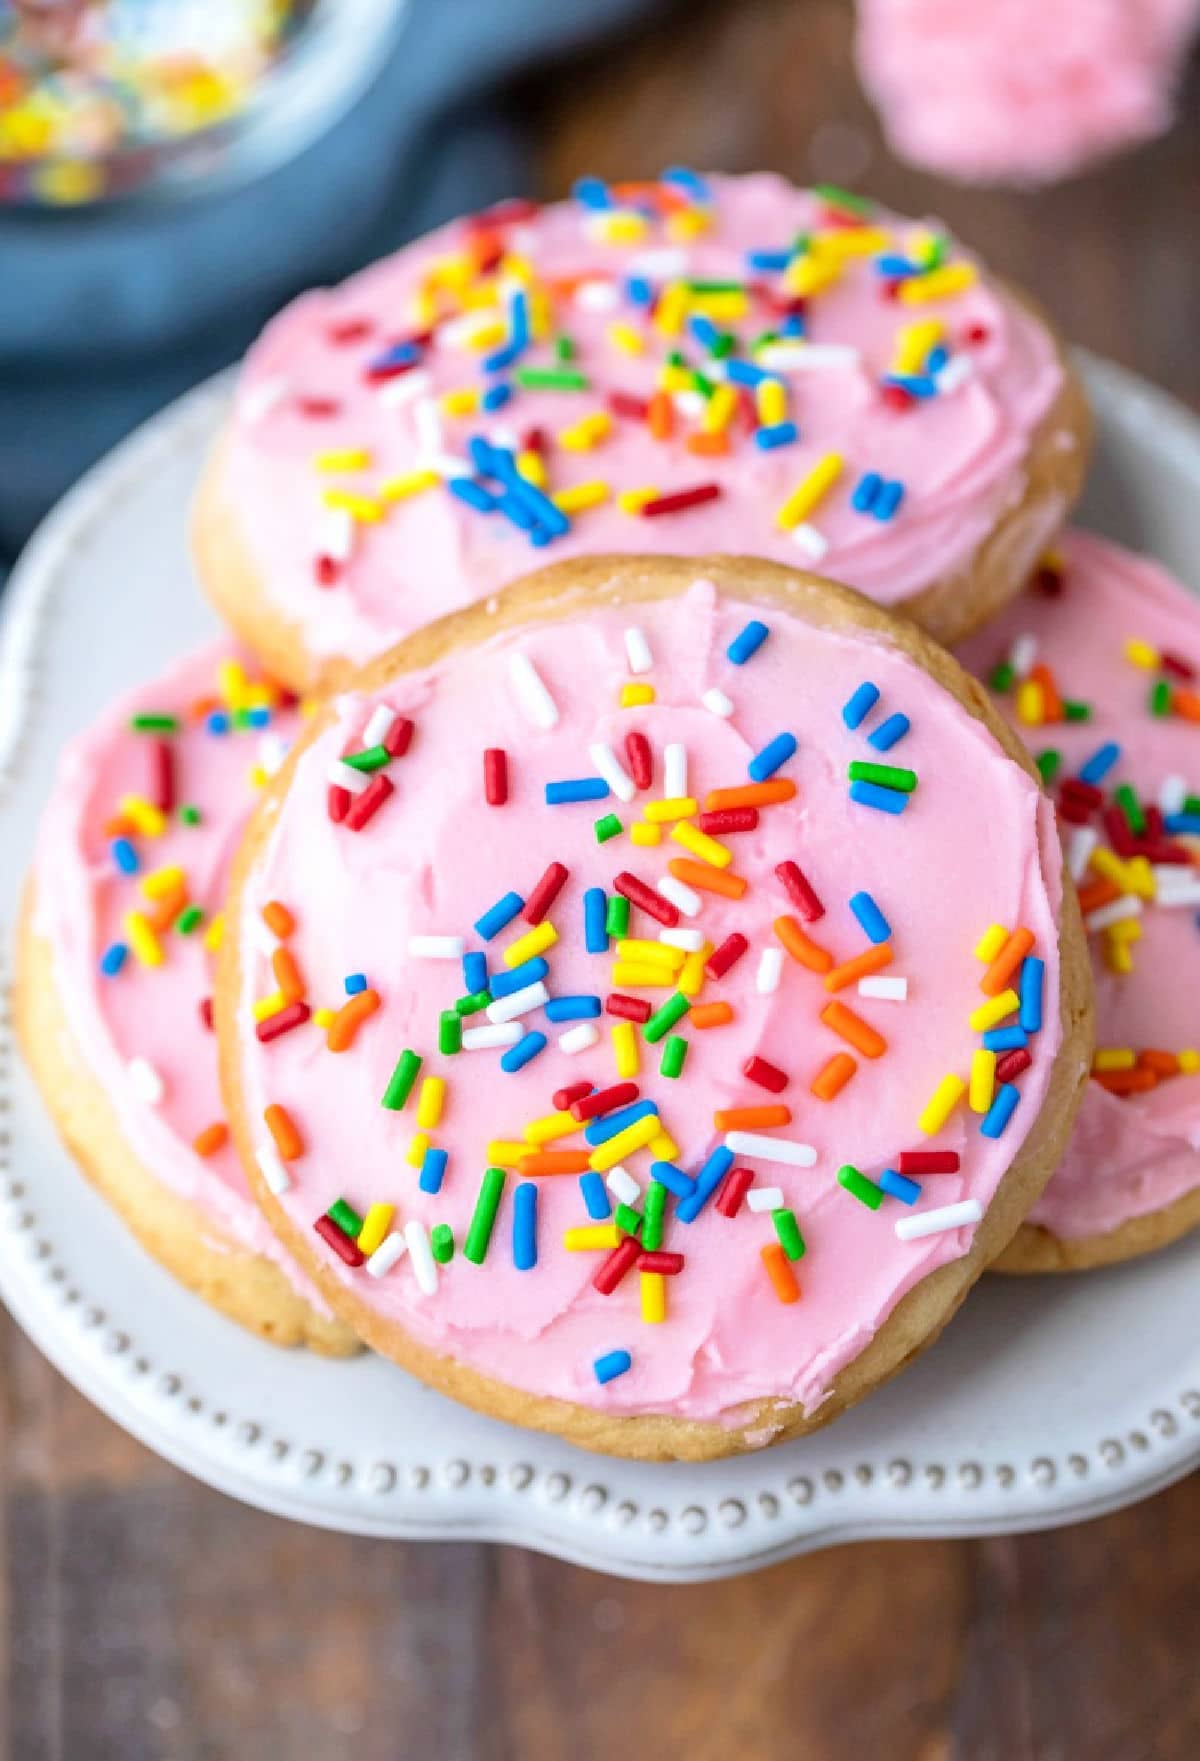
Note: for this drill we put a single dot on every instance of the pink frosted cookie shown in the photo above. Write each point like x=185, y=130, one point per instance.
x=665, y=880
x=113, y=1000
x=730, y=365
x=1112, y=636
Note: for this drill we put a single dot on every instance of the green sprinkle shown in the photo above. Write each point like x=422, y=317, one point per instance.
x=788, y=1231
x=346, y=1218
x=654, y=1207
x=241, y=720
x=704, y=386
x=937, y=252
x=673, y=1056
x=190, y=815
x=564, y=349
x=889, y=775
x=1160, y=698
x=551, y=379
x=1049, y=764
x=374, y=758
x=1074, y=711
x=606, y=828
x=664, y=1018
x=616, y=918
x=717, y=287
x=763, y=340
x=188, y=919
x=1191, y=804
x=837, y=197
x=1001, y=677
x=1131, y=807
x=402, y=1080
x=473, y=1004
x=441, y=1243
x=449, y=1032
x=486, y=1205
x=675, y=359
x=154, y=724
x=626, y=1218
x=859, y=1187
x=723, y=346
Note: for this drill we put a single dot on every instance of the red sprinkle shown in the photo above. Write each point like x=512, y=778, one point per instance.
x=623, y=403
x=545, y=893
x=339, y=1241
x=724, y=820
x=1012, y=1064
x=641, y=761
x=350, y=330
x=337, y=801
x=326, y=571
x=495, y=776
x=365, y=806
x=162, y=761
x=318, y=406
x=387, y=370
x=510, y=212
x=722, y=958
x=898, y=398
x=1119, y=834
x=562, y=1098
x=657, y=1261
x=534, y=440
x=919, y=1162
x=282, y=1022
x=399, y=737
x=733, y=1190
x=610, y=1271
x=627, y=1008
x=206, y=1012
x=798, y=890
x=766, y=1075
x=605, y=1100
x=975, y=334
x=645, y=898
x=682, y=498
x=1178, y=669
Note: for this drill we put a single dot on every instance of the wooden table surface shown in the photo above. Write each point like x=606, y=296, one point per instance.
x=145, y=1618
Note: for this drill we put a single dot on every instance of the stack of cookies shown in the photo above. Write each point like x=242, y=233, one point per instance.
x=525, y=945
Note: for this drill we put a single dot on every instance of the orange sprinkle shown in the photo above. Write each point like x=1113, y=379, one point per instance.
x=162, y=914
x=707, y=444
x=1126, y=1082
x=833, y=1076
x=288, y=975
x=874, y=960
x=751, y=1118
x=555, y=1162
x=282, y=1127
x=1002, y=968
x=710, y=1014
x=801, y=946
x=852, y=1028
x=1162, y=1063
x=779, y=1271
x=278, y=919
x=340, y=1034
x=1187, y=704
x=1052, y=708
x=1097, y=893
x=708, y=880
x=211, y=1139
x=751, y=795
x=119, y=826
x=661, y=416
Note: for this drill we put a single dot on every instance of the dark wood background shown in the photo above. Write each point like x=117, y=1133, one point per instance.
x=145, y=1618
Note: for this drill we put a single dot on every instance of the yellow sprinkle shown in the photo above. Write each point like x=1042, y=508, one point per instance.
x=621, y=227
x=487, y=336
x=654, y=1296
x=983, y=1080
x=655, y=953
x=671, y=807
x=462, y=401
x=145, y=944
x=914, y=343
x=662, y=1146
x=636, y=696
x=214, y=935
x=1111, y=867
x=675, y=379
x=701, y=845
x=162, y=881
x=591, y=1238
x=672, y=309
x=945, y=1097
x=411, y=483
x=532, y=467
x=625, y=1048
x=535, y=941
x=233, y=684
x=1118, y=956
x=550, y=1127
x=771, y=402
x=580, y=497
x=939, y=284
x=990, y=943
x=627, y=976
x=541, y=314
x=634, y=1137
x=993, y=1012
x=632, y=501
x=626, y=338
x=265, y=1007
x=724, y=308
x=811, y=274
x=1031, y=703
x=147, y=819
x=348, y=458
x=645, y=835
x=688, y=223
x=1189, y=1061
x=521, y=268
x=1114, y=1058
x=414, y=1155
x=588, y=432
x=259, y=696
x=809, y=491
x=258, y=777
x=505, y=1153
x=360, y=507
x=850, y=241
x=430, y=1102
x=720, y=409
x=322, y=1018
x=692, y=974
x=376, y=1224
x=1129, y=929
x=1141, y=654
x=1141, y=877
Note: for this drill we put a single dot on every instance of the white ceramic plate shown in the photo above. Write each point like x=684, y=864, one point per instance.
x=1047, y=1401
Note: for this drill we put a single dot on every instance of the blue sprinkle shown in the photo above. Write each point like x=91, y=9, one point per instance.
x=937, y=358
x=506, y=984
x=865, y=491
x=1182, y=823
x=483, y=455
x=518, y=318
x=595, y=1197
x=639, y=291
x=433, y=1169
x=748, y=641
x=499, y=916
x=259, y=718
x=899, y=1186
x=572, y=1008
x=474, y=494
x=1100, y=763
x=595, y=915
x=745, y=372
x=1004, y=1039
x=501, y=359
x=523, y=1052
x=1033, y=974
x=775, y=753
x=475, y=972
x=600, y=1130
x=888, y=733
x=768, y=262
x=707, y=1182
x=704, y=331
x=524, y=1235
x=113, y=958
x=611, y=1365
x=918, y=385
x=125, y=856
x=876, y=795
x=1003, y=1107
x=516, y=512
x=686, y=179
x=576, y=789
x=860, y=705
x=496, y=396
x=875, y=925
x=793, y=325
x=354, y=982
x=778, y=434
x=400, y=354
x=887, y=500
x=218, y=722
x=550, y=519
x=592, y=192
x=673, y=1178
x=895, y=268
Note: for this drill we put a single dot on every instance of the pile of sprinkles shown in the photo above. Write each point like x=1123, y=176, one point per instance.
x=658, y=979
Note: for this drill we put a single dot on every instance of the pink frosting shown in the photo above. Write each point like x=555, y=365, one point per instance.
x=1021, y=92
x=976, y=844
x=144, y=1012
x=1132, y=1155
x=959, y=454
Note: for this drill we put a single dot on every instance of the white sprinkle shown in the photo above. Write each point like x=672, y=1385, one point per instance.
x=405, y=388
x=884, y=989
x=1082, y=842
x=344, y=776
x=967, y=1210
x=690, y=404
x=786, y=357
x=148, y=1085
x=257, y=401
x=717, y=703
x=423, y=1263
x=272, y=1169
x=264, y=939
x=675, y=771
x=770, y=970
x=1023, y=654
x=764, y=1198
x=379, y=725
x=1172, y=794
x=597, y=296
x=458, y=333
x=1183, y=888
x=680, y=895
x=530, y=687
x=814, y=544
x=427, y=421
x=771, y=1149
x=448, y=465
x=1127, y=906
x=504, y=436
x=690, y=940
x=272, y=750
x=637, y=650
x=517, y=1003
x=664, y=265
x=622, y=1185
x=484, y=1039
x=391, y=1249
x=436, y=947
x=956, y=372
x=334, y=535
x=612, y=770
x=579, y=1039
